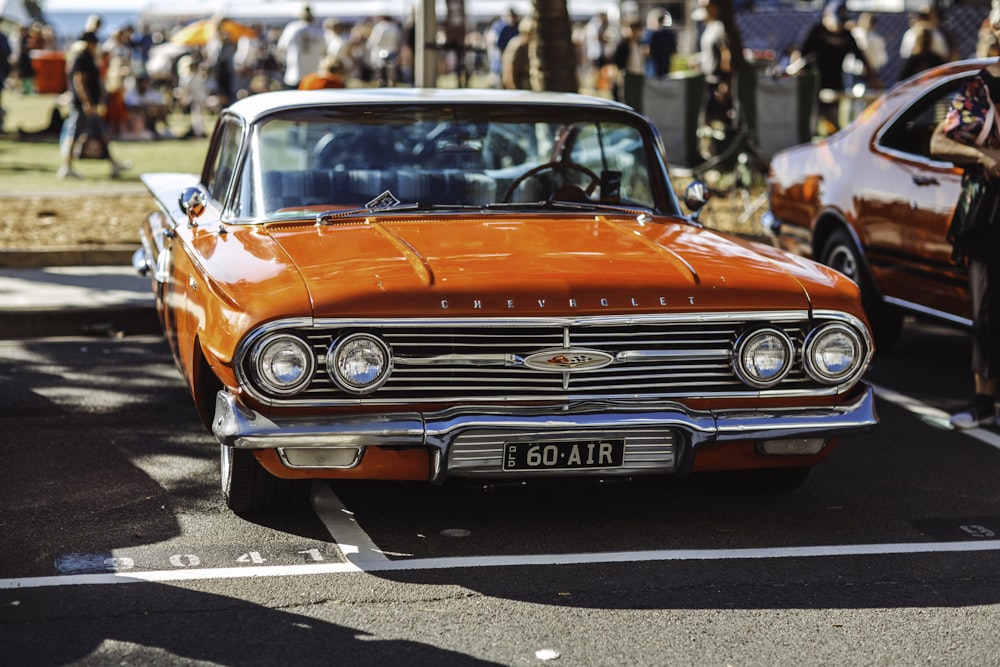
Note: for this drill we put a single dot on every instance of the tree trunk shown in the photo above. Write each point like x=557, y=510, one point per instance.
x=553, y=57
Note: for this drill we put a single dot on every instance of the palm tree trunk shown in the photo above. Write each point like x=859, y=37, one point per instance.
x=553, y=57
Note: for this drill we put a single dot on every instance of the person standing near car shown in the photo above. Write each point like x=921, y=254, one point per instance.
x=85, y=117
x=5, y=68
x=827, y=45
x=957, y=138
x=720, y=58
x=659, y=43
x=301, y=46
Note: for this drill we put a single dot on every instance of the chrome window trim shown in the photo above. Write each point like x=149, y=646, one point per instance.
x=913, y=158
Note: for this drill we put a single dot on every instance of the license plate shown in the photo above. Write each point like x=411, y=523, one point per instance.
x=568, y=455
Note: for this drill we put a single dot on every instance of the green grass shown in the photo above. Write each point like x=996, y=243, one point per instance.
x=29, y=166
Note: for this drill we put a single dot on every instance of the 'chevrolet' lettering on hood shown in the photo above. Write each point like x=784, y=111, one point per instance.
x=601, y=302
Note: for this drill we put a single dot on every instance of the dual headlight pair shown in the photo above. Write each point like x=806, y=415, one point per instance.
x=283, y=364
x=832, y=354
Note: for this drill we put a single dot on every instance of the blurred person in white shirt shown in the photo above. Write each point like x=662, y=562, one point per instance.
x=383, y=45
x=301, y=46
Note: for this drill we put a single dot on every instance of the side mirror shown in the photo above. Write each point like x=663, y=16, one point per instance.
x=192, y=203
x=696, y=195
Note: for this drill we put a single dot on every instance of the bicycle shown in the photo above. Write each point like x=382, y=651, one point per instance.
x=735, y=174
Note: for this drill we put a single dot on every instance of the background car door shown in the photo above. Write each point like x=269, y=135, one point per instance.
x=906, y=208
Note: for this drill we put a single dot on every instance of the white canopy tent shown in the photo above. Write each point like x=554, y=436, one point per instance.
x=14, y=11
x=282, y=10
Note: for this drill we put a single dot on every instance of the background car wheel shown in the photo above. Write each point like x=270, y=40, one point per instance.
x=766, y=480
x=249, y=489
x=841, y=253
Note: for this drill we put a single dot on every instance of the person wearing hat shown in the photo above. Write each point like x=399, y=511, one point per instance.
x=659, y=43
x=84, y=122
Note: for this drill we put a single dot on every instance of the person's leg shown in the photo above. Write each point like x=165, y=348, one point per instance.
x=982, y=411
x=67, y=144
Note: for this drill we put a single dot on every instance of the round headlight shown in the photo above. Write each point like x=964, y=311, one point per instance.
x=833, y=354
x=762, y=357
x=359, y=363
x=282, y=364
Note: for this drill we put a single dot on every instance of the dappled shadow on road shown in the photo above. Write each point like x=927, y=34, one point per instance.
x=83, y=422
x=157, y=624
x=80, y=411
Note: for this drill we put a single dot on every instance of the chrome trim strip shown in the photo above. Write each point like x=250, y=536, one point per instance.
x=461, y=360
x=930, y=312
x=237, y=426
x=673, y=355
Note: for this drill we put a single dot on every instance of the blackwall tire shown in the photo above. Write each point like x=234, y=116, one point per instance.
x=841, y=253
x=249, y=489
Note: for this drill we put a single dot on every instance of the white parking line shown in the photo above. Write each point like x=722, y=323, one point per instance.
x=353, y=542
x=837, y=551
x=934, y=416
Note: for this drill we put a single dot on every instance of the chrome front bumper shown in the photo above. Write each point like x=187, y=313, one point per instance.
x=467, y=441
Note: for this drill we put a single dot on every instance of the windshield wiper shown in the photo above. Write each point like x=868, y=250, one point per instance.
x=567, y=206
x=334, y=215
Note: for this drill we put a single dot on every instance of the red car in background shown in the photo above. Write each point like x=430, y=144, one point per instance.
x=871, y=202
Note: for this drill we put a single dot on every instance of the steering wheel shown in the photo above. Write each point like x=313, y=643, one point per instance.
x=552, y=166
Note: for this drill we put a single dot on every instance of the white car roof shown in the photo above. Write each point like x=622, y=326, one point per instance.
x=255, y=106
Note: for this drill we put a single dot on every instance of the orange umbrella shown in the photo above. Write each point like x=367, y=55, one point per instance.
x=199, y=32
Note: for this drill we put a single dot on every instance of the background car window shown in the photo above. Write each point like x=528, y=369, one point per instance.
x=224, y=164
x=911, y=132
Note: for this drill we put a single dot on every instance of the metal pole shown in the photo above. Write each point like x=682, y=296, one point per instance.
x=425, y=58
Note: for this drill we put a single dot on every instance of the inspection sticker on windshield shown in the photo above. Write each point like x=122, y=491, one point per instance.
x=382, y=202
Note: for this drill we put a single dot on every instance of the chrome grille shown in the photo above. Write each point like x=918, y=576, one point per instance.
x=655, y=356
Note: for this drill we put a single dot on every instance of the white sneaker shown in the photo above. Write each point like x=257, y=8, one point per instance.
x=66, y=172
x=979, y=413
x=118, y=167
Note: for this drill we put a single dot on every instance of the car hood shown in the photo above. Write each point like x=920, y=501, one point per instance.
x=394, y=266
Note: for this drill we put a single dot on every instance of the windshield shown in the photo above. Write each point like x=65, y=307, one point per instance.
x=348, y=158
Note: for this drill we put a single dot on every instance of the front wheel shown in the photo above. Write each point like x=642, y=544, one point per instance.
x=841, y=253
x=249, y=489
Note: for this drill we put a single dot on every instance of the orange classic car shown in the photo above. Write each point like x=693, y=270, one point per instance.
x=872, y=202
x=405, y=284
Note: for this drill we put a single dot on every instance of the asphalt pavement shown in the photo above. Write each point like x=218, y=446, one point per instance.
x=73, y=293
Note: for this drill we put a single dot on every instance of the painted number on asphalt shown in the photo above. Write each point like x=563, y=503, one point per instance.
x=978, y=531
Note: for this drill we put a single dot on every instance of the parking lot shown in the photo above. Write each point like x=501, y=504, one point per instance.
x=117, y=545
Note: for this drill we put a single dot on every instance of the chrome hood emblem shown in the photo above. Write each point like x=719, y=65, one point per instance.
x=568, y=359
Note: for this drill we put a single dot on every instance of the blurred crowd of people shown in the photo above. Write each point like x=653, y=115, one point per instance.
x=148, y=72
